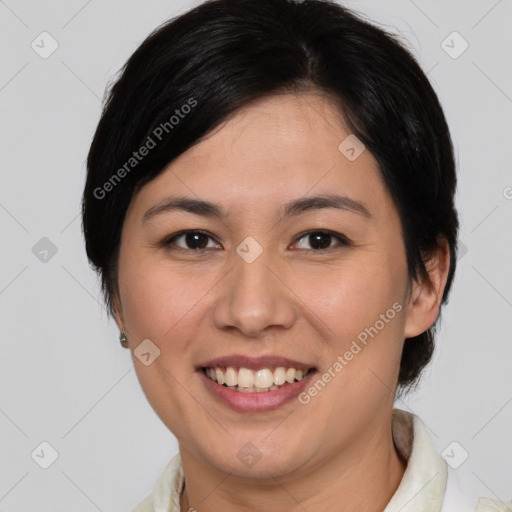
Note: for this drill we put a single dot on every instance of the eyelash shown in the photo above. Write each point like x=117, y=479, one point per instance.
x=343, y=241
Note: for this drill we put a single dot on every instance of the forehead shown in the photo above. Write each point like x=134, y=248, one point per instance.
x=274, y=130
x=272, y=150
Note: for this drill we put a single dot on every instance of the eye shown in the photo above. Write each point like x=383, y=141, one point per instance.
x=197, y=240
x=192, y=240
x=320, y=240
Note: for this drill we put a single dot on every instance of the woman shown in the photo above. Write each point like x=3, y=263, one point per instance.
x=270, y=203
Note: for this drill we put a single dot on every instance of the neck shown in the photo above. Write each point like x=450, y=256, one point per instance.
x=361, y=478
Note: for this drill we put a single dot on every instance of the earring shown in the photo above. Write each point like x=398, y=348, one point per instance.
x=123, y=339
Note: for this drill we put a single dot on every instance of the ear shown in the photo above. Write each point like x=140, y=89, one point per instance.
x=427, y=294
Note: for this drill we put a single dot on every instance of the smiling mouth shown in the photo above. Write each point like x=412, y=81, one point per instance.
x=246, y=380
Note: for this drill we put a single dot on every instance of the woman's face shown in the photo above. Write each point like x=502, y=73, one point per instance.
x=256, y=296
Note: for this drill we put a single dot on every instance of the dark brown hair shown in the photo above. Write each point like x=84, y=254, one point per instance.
x=225, y=53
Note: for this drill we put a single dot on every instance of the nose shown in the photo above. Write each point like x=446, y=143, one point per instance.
x=253, y=298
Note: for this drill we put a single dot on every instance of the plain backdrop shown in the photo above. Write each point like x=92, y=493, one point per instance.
x=64, y=379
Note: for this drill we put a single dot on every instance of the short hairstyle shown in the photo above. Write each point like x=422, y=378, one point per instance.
x=195, y=70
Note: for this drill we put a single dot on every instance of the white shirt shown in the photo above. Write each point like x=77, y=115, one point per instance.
x=428, y=483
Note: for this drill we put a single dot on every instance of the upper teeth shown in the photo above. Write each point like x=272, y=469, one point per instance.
x=247, y=379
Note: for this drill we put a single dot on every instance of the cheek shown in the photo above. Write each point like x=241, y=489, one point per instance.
x=160, y=301
x=362, y=303
x=165, y=305
x=352, y=296
x=363, y=308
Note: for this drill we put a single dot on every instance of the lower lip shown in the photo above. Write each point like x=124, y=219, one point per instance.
x=257, y=401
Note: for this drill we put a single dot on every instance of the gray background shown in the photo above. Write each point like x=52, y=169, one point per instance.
x=65, y=380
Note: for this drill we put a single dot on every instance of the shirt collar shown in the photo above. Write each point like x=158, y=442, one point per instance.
x=422, y=486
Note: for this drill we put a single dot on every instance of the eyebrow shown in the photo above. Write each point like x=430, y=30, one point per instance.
x=291, y=209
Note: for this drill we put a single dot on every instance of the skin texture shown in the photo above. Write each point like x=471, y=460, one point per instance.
x=336, y=452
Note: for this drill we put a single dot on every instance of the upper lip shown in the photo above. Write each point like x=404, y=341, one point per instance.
x=255, y=363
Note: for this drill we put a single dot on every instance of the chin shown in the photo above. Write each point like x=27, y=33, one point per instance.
x=256, y=460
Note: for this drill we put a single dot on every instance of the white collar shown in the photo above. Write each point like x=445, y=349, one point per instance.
x=423, y=484
x=427, y=483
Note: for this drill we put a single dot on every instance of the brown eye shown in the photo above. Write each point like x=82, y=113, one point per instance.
x=191, y=240
x=321, y=240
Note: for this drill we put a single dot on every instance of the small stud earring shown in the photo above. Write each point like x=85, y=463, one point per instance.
x=123, y=339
